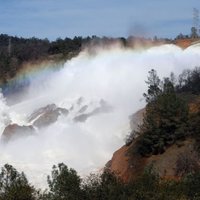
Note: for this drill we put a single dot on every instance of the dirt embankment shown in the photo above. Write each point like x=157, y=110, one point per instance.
x=185, y=43
x=166, y=165
x=127, y=164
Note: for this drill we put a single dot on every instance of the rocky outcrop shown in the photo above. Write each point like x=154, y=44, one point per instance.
x=83, y=109
x=103, y=107
x=41, y=118
x=46, y=115
x=80, y=111
x=14, y=131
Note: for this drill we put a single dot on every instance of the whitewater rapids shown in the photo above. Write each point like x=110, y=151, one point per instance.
x=115, y=75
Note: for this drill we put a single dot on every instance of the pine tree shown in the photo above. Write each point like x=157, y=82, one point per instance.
x=166, y=116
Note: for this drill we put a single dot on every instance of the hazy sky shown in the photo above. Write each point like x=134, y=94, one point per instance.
x=69, y=18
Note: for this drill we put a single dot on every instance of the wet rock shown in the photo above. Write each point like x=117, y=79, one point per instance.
x=104, y=107
x=40, y=118
x=80, y=101
x=63, y=111
x=83, y=109
x=81, y=118
x=71, y=108
x=46, y=115
x=14, y=131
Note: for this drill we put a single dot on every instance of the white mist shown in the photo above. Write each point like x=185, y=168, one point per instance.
x=115, y=75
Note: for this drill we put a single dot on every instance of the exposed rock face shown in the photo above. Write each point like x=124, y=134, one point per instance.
x=119, y=164
x=46, y=115
x=42, y=117
x=83, y=109
x=14, y=131
x=103, y=108
x=80, y=111
x=130, y=165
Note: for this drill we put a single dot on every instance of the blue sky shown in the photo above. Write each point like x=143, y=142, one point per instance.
x=115, y=18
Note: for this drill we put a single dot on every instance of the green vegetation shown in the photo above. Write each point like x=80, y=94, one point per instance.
x=189, y=81
x=14, y=185
x=167, y=119
x=15, y=51
x=65, y=184
x=193, y=35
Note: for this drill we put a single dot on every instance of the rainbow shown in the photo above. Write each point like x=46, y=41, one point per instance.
x=29, y=71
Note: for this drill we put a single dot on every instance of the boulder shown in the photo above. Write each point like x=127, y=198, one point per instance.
x=103, y=107
x=14, y=131
x=46, y=116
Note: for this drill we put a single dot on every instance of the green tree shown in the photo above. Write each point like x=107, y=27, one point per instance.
x=106, y=186
x=14, y=185
x=191, y=186
x=64, y=183
x=146, y=187
x=189, y=81
x=154, y=86
x=194, y=32
x=166, y=117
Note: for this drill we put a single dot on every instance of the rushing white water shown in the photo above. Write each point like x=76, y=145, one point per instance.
x=115, y=75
